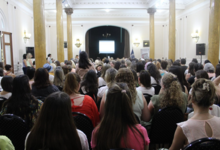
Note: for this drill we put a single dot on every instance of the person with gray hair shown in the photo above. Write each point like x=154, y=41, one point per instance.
x=110, y=80
x=128, y=63
x=59, y=78
x=210, y=69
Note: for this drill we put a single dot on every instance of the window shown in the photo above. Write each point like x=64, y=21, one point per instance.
x=2, y=23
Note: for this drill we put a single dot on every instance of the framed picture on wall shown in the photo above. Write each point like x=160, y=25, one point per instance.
x=146, y=43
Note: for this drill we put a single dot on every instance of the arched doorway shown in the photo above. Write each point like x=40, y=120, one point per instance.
x=118, y=35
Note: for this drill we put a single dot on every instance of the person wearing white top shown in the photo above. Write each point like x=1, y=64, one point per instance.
x=144, y=81
x=110, y=79
x=55, y=128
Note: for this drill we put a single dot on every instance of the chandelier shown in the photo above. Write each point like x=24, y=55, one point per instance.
x=106, y=35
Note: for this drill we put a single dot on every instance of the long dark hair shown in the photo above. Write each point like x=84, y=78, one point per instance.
x=117, y=119
x=176, y=70
x=217, y=70
x=21, y=102
x=154, y=72
x=90, y=82
x=145, y=79
x=140, y=66
x=83, y=60
x=41, y=78
x=54, y=128
x=192, y=68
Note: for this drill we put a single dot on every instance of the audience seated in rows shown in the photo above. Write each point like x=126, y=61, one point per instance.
x=22, y=103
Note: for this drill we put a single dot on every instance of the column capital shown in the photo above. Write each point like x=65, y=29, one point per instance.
x=151, y=10
x=69, y=11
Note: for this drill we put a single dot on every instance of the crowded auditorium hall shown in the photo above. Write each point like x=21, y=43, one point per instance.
x=109, y=75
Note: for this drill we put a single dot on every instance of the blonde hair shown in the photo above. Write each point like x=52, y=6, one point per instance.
x=73, y=64
x=58, y=77
x=110, y=76
x=125, y=75
x=172, y=93
x=158, y=65
x=54, y=67
x=203, y=92
x=29, y=56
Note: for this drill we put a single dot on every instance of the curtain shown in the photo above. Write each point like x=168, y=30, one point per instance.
x=87, y=43
x=127, y=44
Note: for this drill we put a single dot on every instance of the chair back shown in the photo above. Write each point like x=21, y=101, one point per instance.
x=157, y=88
x=164, y=125
x=147, y=97
x=84, y=124
x=2, y=100
x=15, y=129
x=204, y=143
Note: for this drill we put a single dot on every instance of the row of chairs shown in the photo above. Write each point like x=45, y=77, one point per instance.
x=16, y=129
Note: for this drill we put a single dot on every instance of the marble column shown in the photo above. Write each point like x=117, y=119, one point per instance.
x=39, y=33
x=151, y=11
x=60, y=40
x=172, y=30
x=69, y=12
x=214, y=27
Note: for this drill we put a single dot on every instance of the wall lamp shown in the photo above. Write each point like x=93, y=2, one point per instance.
x=78, y=44
x=195, y=36
x=26, y=36
x=136, y=43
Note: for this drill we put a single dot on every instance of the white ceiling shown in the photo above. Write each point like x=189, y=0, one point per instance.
x=117, y=8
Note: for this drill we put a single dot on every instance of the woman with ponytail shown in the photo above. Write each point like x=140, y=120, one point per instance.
x=119, y=127
x=170, y=95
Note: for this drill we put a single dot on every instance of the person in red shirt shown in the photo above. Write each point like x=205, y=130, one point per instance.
x=80, y=103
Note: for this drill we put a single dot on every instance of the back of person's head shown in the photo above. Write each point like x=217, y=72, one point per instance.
x=159, y=60
x=58, y=77
x=103, y=71
x=172, y=91
x=69, y=63
x=206, y=61
x=90, y=82
x=67, y=69
x=128, y=63
x=7, y=67
x=1, y=72
x=30, y=72
x=71, y=83
x=203, y=93
x=140, y=66
x=106, y=61
x=125, y=75
x=164, y=64
x=192, y=68
x=83, y=60
x=41, y=78
x=122, y=62
x=209, y=68
x=57, y=63
x=183, y=61
x=24, y=56
x=48, y=55
x=195, y=60
x=54, y=127
x=110, y=76
x=122, y=66
x=144, y=78
x=176, y=70
x=154, y=72
x=7, y=83
x=217, y=71
x=176, y=63
x=117, y=65
x=158, y=65
x=201, y=74
x=133, y=66
x=117, y=119
x=199, y=66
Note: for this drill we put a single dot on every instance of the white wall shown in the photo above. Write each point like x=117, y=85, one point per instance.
x=17, y=20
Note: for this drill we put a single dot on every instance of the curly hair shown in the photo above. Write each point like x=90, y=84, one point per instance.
x=203, y=93
x=172, y=93
x=125, y=75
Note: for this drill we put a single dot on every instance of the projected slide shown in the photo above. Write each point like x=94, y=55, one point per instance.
x=106, y=47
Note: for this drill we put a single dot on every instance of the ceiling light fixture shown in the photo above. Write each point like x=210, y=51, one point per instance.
x=106, y=35
x=107, y=10
x=66, y=5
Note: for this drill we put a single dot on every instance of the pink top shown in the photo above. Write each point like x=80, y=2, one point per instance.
x=135, y=140
x=195, y=129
